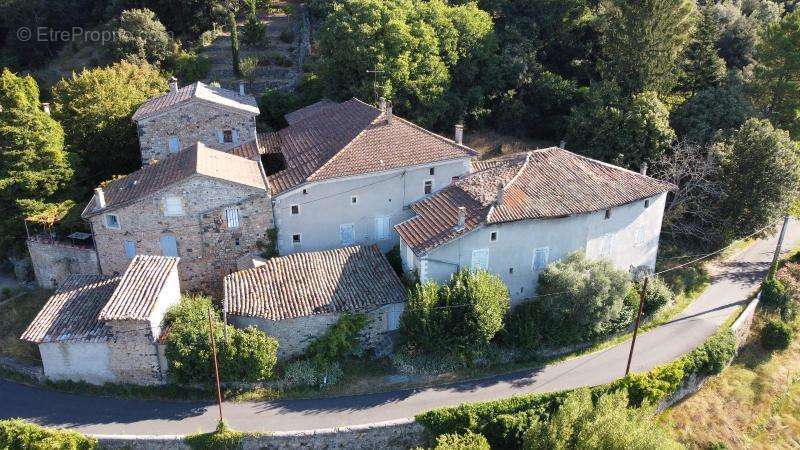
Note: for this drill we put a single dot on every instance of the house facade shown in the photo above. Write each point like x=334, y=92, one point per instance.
x=105, y=329
x=514, y=215
x=209, y=207
x=219, y=118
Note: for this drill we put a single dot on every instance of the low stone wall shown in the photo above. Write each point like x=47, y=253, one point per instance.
x=54, y=261
x=398, y=434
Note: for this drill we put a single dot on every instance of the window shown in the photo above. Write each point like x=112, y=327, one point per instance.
x=540, y=258
x=382, y=228
x=112, y=221
x=296, y=240
x=432, y=171
x=608, y=214
x=428, y=186
x=173, y=206
x=347, y=234
x=493, y=236
x=453, y=180
x=295, y=209
x=606, y=243
x=130, y=249
x=305, y=191
x=511, y=271
x=647, y=203
x=174, y=144
x=169, y=246
x=480, y=259
x=638, y=237
x=227, y=136
x=232, y=217
x=237, y=242
x=353, y=200
x=393, y=318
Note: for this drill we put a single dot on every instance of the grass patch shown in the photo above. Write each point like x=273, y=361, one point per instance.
x=491, y=144
x=15, y=315
x=223, y=438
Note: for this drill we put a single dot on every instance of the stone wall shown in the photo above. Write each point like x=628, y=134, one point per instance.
x=207, y=247
x=134, y=357
x=54, y=261
x=196, y=121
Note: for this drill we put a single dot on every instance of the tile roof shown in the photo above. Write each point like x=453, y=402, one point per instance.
x=308, y=111
x=541, y=184
x=350, y=279
x=139, y=288
x=71, y=313
x=199, y=91
x=197, y=159
x=352, y=138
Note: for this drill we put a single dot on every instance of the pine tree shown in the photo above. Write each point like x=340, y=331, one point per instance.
x=703, y=67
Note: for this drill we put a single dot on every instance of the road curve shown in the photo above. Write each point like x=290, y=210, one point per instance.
x=731, y=286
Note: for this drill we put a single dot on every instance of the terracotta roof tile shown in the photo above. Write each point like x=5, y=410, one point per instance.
x=71, y=313
x=199, y=91
x=308, y=111
x=351, y=279
x=540, y=184
x=139, y=288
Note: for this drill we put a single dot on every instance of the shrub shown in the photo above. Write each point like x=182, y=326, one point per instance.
x=248, y=68
x=463, y=441
x=190, y=67
x=305, y=372
x=287, y=36
x=653, y=386
x=342, y=339
x=254, y=33
x=140, y=36
x=524, y=326
x=713, y=356
x=581, y=298
x=223, y=438
x=657, y=296
x=776, y=335
x=274, y=104
x=773, y=293
x=18, y=434
x=249, y=354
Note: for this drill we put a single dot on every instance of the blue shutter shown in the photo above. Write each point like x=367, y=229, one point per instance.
x=220, y=138
x=130, y=249
x=169, y=246
x=235, y=134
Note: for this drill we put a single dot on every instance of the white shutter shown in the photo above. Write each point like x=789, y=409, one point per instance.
x=638, y=238
x=173, y=206
x=235, y=134
x=480, y=259
x=540, y=258
x=174, y=144
x=347, y=234
x=232, y=216
x=381, y=227
x=606, y=243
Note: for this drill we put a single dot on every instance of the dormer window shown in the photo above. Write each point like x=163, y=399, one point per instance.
x=112, y=221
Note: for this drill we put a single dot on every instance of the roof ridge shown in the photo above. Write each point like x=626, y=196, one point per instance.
x=438, y=136
x=341, y=150
x=603, y=163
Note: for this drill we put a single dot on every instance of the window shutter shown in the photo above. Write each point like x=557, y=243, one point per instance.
x=169, y=246
x=540, y=258
x=480, y=259
x=232, y=216
x=130, y=249
x=173, y=206
x=235, y=134
x=220, y=137
x=174, y=144
x=381, y=227
x=347, y=234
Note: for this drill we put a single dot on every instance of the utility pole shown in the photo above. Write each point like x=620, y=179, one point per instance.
x=375, y=73
x=216, y=366
x=778, y=247
x=636, y=328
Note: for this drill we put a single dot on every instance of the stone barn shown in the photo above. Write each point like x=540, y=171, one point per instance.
x=102, y=329
x=296, y=298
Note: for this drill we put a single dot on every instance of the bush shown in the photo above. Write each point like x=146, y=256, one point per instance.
x=249, y=355
x=464, y=441
x=342, y=339
x=523, y=328
x=223, y=438
x=274, y=104
x=305, y=372
x=713, y=356
x=653, y=386
x=773, y=293
x=776, y=335
x=581, y=299
x=140, y=36
x=287, y=36
x=18, y=434
x=254, y=33
x=190, y=67
x=658, y=295
x=462, y=316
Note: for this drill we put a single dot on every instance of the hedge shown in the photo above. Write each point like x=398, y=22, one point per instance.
x=776, y=335
x=466, y=441
x=19, y=434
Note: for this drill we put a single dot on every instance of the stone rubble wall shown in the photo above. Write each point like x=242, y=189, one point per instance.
x=54, y=261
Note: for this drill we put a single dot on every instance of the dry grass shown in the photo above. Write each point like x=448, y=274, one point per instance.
x=15, y=315
x=754, y=404
x=490, y=144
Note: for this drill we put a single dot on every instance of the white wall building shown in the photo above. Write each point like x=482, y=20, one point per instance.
x=514, y=215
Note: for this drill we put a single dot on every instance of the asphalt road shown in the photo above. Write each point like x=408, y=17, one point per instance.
x=731, y=286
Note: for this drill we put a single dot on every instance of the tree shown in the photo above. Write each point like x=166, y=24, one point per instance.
x=234, y=44
x=18, y=92
x=642, y=42
x=761, y=172
x=777, y=77
x=254, y=33
x=619, y=130
x=712, y=110
x=141, y=37
x=702, y=66
x=738, y=35
x=95, y=108
x=248, y=67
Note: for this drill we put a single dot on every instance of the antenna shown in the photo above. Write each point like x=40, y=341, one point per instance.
x=375, y=73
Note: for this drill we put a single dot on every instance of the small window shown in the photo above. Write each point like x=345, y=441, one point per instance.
x=647, y=203
x=174, y=144
x=428, y=187
x=237, y=242
x=173, y=207
x=493, y=236
x=227, y=136
x=382, y=228
x=480, y=259
x=112, y=221
x=305, y=191
x=432, y=171
x=295, y=209
x=511, y=271
x=295, y=239
x=130, y=249
x=638, y=237
x=232, y=217
x=608, y=214
x=453, y=180
x=353, y=200
x=540, y=258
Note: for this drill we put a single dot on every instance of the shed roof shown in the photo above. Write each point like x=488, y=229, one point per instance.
x=139, y=288
x=197, y=90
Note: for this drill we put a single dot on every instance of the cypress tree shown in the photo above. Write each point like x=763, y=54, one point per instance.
x=234, y=43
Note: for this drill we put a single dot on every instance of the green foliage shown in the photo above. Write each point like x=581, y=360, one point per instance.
x=462, y=316
x=305, y=372
x=342, y=339
x=223, y=438
x=248, y=67
x=463, y=441
x=18, y=92
x=190, y=67
x=761, y=172
x=234, y=43
x=608, y=423
x=95, y=108
x=653, y=386
x=658, y=295
x=287, y=36
x=249, y=354
x=274, y=104
x=580, y=298
x=738, y=35
x=254, y=32
x=711, y=110
x=18, y=434
x=524, y=326
x=141, y=37
x=703, y=68
x=774, y=293
x=776, y=335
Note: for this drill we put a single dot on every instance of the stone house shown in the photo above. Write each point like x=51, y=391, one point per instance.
x=105, y=329
x=217, y=117
x=515, y=214
x=344, y=174
x=296, y=298
x=209, y=207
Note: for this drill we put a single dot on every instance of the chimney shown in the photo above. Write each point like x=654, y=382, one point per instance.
x=382, y=103
x=46, y=108
x=241, y=88
x=498, y=200
x=389, y=113
x=101, y=197
x=643, y=168
x=459, y=134
x=563, y=144
x=173, y=84
x=462, y=217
